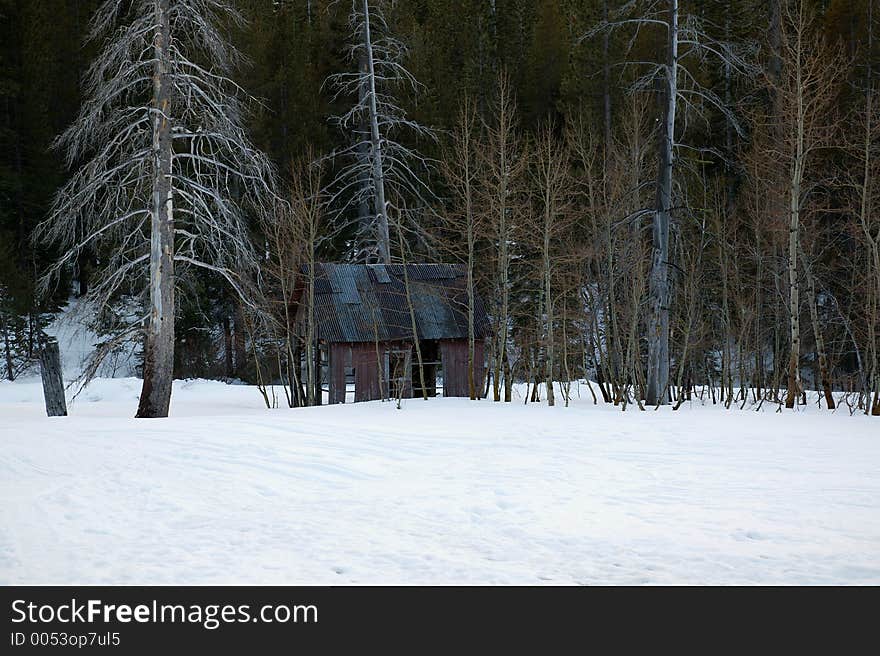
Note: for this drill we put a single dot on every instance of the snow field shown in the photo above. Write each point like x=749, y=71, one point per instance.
x=443, y=491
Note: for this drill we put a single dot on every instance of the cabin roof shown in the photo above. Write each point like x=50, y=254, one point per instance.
x=368, y=302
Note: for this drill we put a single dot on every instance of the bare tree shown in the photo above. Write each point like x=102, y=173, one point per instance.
x=460, y=168
x=380, y=165
x=805, y=92
x=680, y=90
x=502, y=202
x=865, y=202
x=550, y=173
x=610, y=191
x=293, y=237
x=167, y=168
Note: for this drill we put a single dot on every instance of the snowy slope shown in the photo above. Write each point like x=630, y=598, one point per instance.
x=76, y=342
x=444, y=491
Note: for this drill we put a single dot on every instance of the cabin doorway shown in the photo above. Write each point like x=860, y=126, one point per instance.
x=430, y=349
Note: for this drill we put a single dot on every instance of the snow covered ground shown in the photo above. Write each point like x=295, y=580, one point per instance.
x=444, y=491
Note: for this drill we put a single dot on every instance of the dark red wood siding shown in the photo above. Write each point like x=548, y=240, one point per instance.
x=454, y=354
x=366, y=372
x=338, y=353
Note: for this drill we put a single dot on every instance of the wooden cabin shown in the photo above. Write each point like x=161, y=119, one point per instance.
x=364, y=316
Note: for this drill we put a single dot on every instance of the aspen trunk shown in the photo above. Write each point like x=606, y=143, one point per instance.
x=824, y=379
x=501, y=365
x=794, y=379
x=472, y=384
x=316, y=382
x=312, y=390
x=658, y=327
x=548, y=303
x=473, y=390
x=508, y=382
x=10, y=368
x=797, y=171
x=412, y=317
x=155, y=396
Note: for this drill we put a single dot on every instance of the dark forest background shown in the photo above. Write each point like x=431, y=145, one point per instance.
x=730, y=322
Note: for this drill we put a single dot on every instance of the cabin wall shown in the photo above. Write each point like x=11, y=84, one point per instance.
x=454, y=354
x=365, y=360
x=371, y=360
x=339, y=353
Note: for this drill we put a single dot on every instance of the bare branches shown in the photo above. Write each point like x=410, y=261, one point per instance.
x=378, y=165
x=216, y=176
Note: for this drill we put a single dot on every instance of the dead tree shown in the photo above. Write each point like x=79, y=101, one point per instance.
x=679, y=91
x=378, y=166
x=164, y=171
x=53, y=383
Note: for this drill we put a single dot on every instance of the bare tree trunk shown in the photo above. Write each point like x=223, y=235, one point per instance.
x=566, y=386
x=775, y=30
x=797, y=172
x=53, y=383
x=227, y=347
x=467, y=134
x=548, y=333
x=383, y=238
x=551, y=162
x=239, y=342
x=872, y=388
x=794, y=377
x=316, y=382
x=606, y=86
x=460, y=168
x=504, y=165
x=821, y=356
x=155, y=396
x=473, y=392
x=501, y=365
x=658, y=328
x=10, y=368
x=311, y=375
x=365, y=217
x=412, y=318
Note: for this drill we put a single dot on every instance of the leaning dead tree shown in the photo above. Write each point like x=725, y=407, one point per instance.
x=378, y=165
x=680, y=92
x=164, y=171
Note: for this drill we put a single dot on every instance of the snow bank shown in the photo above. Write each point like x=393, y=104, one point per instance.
x=76, y=342
x=444, y=491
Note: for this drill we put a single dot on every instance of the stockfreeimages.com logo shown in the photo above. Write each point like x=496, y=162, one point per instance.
x=210, y=616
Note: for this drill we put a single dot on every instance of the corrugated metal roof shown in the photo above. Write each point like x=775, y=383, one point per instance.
x=379, y=272
x=364, y=303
